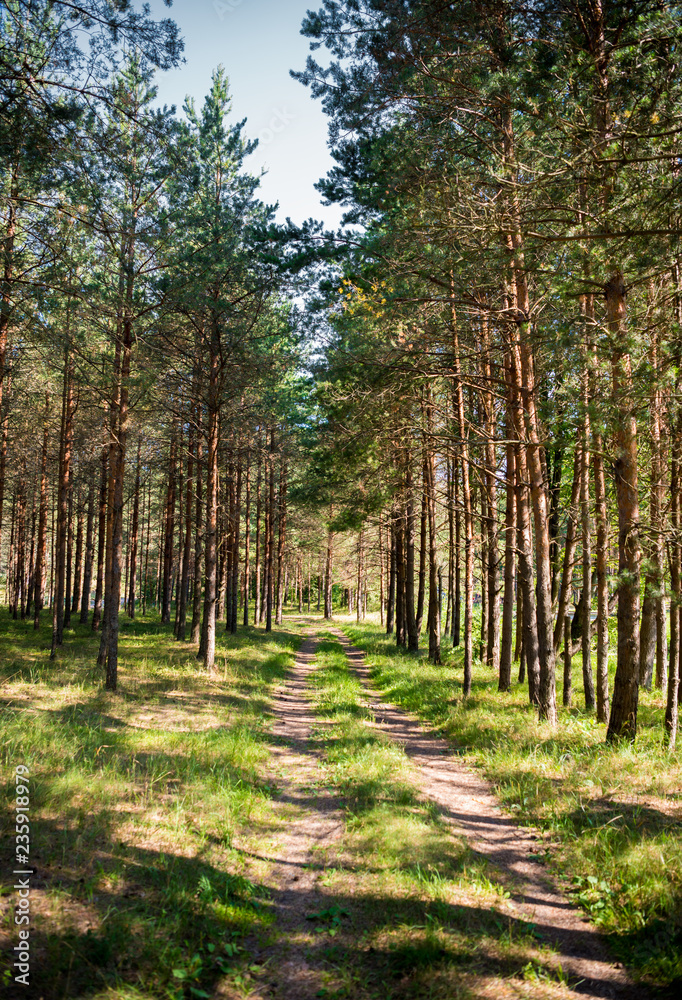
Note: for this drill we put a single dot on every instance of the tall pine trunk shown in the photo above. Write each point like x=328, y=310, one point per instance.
x=195, y=635
x=468, y=518
x=247, y=538
x=183, y=596
x=586, y=636
x=169, y=528
x=434, y=589
x=207, y=645
x=134, y=533
x=64, y=475
x=623, y=719
x=270, y=551
x=236, y=522
x=101, y=536
x=506, y=648
x=410, y=614
x=41, y=546
x=89, y=551
x=281, y=537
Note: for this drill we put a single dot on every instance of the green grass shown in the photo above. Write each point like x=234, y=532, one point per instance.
x=391, y=828
x=613, y=812
x=424, y=915
x=136, y=798
x=153, y=816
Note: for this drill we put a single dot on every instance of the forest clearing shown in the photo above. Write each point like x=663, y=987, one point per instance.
x=341, y=565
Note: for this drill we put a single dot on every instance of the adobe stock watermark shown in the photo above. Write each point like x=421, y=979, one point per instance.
x=281, y=120
x=225, y=7
x=22, y=845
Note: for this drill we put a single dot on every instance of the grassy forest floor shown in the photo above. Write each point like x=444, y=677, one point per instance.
x=162, y=816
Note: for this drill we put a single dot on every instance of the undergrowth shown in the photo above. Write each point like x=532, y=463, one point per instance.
x=135, y=800
x=612, y=811
x=428, y=911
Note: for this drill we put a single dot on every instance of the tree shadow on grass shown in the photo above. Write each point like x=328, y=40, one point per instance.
x=109, y=914
x=171, y=925
x=158, y=921
x=412, y=947
x=632, y=820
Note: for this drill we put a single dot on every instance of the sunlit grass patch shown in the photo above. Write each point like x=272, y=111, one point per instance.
x=441, y=945
x=392, y=832
x=136, y=798
x=613, y=812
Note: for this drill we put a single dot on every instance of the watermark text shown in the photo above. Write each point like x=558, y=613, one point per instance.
x=22, y=871
x=281, y=119
x=225, y=7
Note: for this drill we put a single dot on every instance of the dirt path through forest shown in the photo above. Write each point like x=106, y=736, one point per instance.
x=314, y=821
x=469, y=805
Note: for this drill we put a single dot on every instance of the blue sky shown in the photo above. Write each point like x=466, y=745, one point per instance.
x=258, y=42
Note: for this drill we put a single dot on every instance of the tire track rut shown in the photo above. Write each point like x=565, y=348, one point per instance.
x=316, y=822
x=468, y=804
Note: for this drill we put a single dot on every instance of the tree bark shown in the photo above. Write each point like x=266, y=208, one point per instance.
x=493, y=581
x=382, y=575
x=41, y=546
x=183, y=596
x=400, y=617
x=211, y=531
x=568, y=648
x=6, y=308
x=235, y=546
x=545, y=635
x=390, y=604
x=556, y=466
x=169, y=528
x=329, y=567
x=586, y=637
x=434, y=592
x=281, y=538
x=623, y=719
x=101, y=536
x=531, y=471
x=117, y=493
x=451, y=545
x=675, y=556
x=134, y=532
x=30, y=565
x=65, y=454
x=421, y=585
x=20, y=572
x=457, y=606
x=468, y=516
x=257, y=582
x=247, y=539
x=484, y=574
x=89, y=551
x=69, y=551
x=78, y=559
x=569, y=548
x=530, y=654
x=410, y=615
x=602, y=553
x=506, y=648
x=270, y=551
